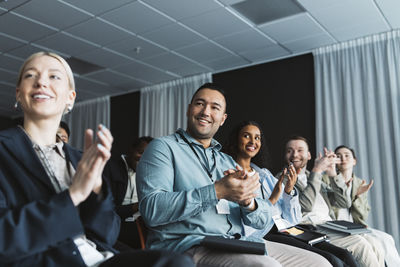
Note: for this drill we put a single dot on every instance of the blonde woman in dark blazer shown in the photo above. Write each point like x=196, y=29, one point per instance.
x=55, y=207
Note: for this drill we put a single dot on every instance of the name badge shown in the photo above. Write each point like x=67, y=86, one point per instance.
x=279, y=222
x=223, y=207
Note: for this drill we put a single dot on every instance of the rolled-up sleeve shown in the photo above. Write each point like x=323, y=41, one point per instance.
x=261, y=217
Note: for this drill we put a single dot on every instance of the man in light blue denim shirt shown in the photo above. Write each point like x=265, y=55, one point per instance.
x=184, y=195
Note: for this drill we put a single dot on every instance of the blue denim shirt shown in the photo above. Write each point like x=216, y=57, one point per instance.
x=287, y=207
x=177, y=198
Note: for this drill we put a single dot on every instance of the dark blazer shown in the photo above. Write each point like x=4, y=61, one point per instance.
x=117, y=174
x=37, y=225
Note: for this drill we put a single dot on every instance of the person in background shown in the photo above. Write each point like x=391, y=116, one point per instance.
x=316, y=205
x=55, y=207
x=184, y=195
x=63, y=132
x=246, y=144
x=121, y=172
x=357, y=209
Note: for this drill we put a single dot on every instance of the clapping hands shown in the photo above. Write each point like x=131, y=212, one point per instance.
x=238, y=186
x=90, y=168
x=291, y=174
x=326, y=163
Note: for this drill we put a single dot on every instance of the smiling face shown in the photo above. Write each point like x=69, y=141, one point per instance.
x=44, y=89
x=347, y=160
x=249, y=141
x=297, y=153
x=205, y=115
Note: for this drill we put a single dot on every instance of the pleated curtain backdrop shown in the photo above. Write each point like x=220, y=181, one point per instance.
x=163, y=106
x=357, y=87
x=87, y=114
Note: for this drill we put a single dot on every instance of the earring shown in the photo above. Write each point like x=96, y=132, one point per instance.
x=16, y=105
x=68, y=109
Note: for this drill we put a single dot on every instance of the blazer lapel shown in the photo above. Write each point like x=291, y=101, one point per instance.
x=20, y=146
x=72, y=155
x=354, y=187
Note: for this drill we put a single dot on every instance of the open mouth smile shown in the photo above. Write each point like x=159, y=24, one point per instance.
x=40, y=95
x=203, y=121
x=250, y=148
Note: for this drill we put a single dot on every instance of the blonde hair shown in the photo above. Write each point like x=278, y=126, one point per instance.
x=67, y=68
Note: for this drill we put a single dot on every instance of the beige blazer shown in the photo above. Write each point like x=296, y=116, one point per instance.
x=359, y=207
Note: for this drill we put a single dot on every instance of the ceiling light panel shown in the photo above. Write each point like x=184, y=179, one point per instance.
x=262, y=11
x=82, y=67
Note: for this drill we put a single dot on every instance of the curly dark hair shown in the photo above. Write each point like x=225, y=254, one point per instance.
x=231, y=145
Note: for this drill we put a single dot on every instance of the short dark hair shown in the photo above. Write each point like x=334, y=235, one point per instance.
x=64, y=125
x=351, y=150
x=212, y=86
x=231, y=145
x=138, y=141
x=297, y=137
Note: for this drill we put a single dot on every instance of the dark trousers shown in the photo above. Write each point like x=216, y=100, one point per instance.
x=338, y=257
x=154, y=258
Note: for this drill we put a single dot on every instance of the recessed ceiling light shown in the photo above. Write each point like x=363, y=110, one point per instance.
x=262, y=11
x=82, y=67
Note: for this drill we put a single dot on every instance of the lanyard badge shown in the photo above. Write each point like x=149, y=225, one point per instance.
x=205, y=168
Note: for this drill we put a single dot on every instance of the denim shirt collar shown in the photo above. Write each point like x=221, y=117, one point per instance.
x=214, y=143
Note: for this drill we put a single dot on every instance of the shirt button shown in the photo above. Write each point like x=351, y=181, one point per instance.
x=74, y=253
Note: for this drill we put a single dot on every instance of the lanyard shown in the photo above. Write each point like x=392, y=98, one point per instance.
x=205, y=168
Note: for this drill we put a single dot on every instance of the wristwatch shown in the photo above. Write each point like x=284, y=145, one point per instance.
x=250, y=205
x=292, y=193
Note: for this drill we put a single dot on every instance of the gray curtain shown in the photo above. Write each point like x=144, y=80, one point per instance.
x=358, y=104
x=87, y=114
x=163, y=106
